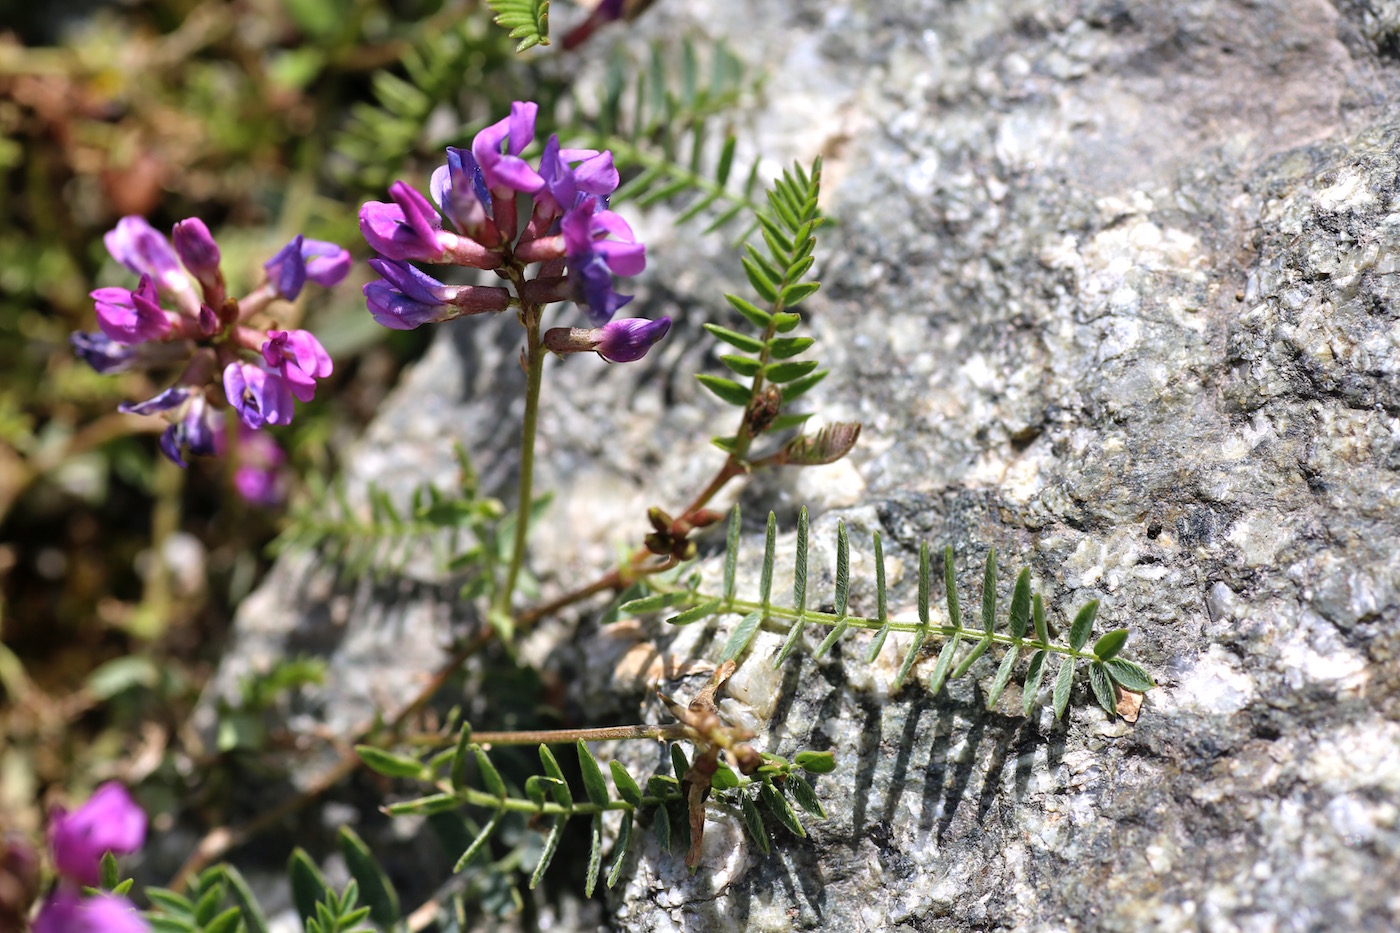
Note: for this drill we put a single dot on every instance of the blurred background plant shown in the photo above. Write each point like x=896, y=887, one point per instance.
x=119, y=572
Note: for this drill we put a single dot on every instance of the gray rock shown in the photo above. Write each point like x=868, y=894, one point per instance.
x=1112, y=286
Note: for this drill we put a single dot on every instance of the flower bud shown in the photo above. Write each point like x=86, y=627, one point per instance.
x=198, y=251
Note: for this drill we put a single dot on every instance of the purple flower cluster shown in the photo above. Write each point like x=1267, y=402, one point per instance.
x=109, y=822
x=180, y=311
x=578, y=243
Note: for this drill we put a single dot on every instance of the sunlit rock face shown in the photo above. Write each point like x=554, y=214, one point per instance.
x=1112, y=287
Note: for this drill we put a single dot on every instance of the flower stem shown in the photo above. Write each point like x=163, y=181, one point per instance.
x=534, y=369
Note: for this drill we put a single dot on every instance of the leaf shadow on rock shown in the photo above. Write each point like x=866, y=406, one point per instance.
x=1013, y=736
x=870, y=747
x=964, y=764
x=937, y=767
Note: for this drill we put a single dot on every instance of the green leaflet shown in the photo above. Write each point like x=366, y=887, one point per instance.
x=559, y=787
x=527, y=20
x=1062, y=686
x=1083, y=624
x=479, y=843
x=770, y=555
x=1128, y=675
x=742, y=635
x=778, y=805
x=309, y=888
x=378, y=890
x=627, y=788
x=388, y=763
x=624, y=840
x=1021, y=605
x=1110, y=643
x=1032, y=686
x=1103, y=687
x=1003, y=677
x=595, y=854
x=551, y=845
x=944, y=664
x=593, y=783
x=753, y=822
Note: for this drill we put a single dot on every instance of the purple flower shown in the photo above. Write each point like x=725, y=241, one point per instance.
x=144, y=250
x=408, y=297
x=129, y=317
x=66, y=912
x=258, y=478
x=198, y=251
x=194, y=426
x=628, y=339
x=459, y=188
x=327, y=263
x=324, y=263
x=199, y=431
x=109, y=822
x=599, y=244
x=261, y=396
x=299, y=358
x=565, y=182
x=170, y=398
x=507, y=172
x=101, y=352
x=406, y=229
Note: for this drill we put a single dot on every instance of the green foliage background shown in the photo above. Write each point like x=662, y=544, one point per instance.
x=118, y=571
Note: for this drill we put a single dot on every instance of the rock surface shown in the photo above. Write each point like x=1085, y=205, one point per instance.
x=1112, y=286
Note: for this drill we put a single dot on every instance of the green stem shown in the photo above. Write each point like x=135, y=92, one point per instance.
x=480, y=798
x=534, y=369
x=830, y=619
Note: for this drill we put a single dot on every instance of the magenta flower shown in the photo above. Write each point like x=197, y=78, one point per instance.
x=565, y=183
x=130, y=317
x=109, y=822
x=459, y=188
x=594, y=256
x=407, y=297
x=300, y=359
x=144, y=250
x=406, y=229
x=621, y=341
x=628, y=339
x=197, y=250
x=505, y=172
x=66, y=912
x=259, y=395
x=324, y=263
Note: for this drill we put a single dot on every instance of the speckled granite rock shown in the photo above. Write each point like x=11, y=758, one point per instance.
x=1112, y=288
